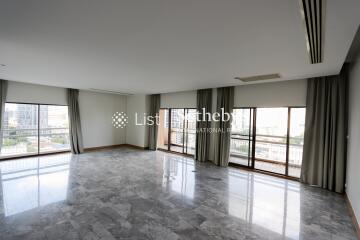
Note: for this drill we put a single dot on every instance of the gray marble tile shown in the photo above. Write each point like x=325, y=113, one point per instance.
x=133, y=194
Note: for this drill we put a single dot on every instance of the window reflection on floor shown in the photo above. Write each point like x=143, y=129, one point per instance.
x=33, y=182
x=265, y=201
x=179, y=176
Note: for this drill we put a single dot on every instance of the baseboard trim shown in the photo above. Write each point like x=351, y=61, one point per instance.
x=92, y=149
x=135, y=146
x=352, y=215
x=109, y=147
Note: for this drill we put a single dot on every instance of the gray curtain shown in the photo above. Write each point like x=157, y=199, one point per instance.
x=225, y=100
x=324, y=157
x=76, y=140
x=204, y=103
x=153, y=129
x=3, y=92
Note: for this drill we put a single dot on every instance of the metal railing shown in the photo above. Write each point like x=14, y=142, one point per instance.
x=7, y=132
x=177, y=136
x=267, y=150
x=32, y=140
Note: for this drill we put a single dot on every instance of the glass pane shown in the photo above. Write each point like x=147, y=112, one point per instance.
x=163, y=129
x=177, y=130
x=54, y=128
x=20, y=130
x=297, y=127
x=241, y=142
x=190, y=132
x=271, y=132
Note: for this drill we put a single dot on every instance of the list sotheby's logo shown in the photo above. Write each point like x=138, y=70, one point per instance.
x=119, y=119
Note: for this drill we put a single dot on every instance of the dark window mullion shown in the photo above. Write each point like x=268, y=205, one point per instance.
x=38, y=109
x=186, y=130
x=287, y=142
x=169, y=130
x=183, y=133
x=249, y=142
x=253, y=139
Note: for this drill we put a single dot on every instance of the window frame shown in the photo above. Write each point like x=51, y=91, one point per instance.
x=252, y=158
x=185, y=126
x=9, y=157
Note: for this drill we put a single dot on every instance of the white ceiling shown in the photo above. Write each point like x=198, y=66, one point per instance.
x=151, y=46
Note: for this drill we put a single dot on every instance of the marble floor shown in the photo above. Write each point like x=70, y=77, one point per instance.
x=133, y=194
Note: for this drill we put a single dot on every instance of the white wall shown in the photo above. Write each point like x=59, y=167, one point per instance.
x=135, y=134
x=275, y=94
x=353, y=162
x=96, y=110
x=178, y=100
x=31, y=93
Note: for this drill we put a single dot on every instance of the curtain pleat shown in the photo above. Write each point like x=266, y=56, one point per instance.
x=324, y=154
x=204, y=104
x=153, y=129
x=76, y=140
x=225, y=101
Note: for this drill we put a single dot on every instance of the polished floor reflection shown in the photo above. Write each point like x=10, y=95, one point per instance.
x=132, y=194
x=33, y=182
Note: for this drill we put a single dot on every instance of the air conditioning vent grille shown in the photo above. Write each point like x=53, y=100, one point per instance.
x=259, y=77
x=312, y=12
x=110, y=91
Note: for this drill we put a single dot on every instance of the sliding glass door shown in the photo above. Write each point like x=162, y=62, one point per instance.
x=54, y=128
x=190, y=131
x=177, y=130
x=269, y=139
x=20, y=130
x=242, y=136
x=30, y=129
x=163, y=130
x=296, y=140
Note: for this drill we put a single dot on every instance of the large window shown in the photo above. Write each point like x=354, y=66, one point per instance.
x=269, y=139
x=30, y=129
x=177, y=130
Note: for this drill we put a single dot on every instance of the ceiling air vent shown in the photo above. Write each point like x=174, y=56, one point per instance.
x=109, y=91
x=312, y=14
x=258, y=77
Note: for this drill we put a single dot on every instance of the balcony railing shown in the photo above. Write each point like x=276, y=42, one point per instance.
x=25, y=140
x=177, y=136
x=268, y=148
